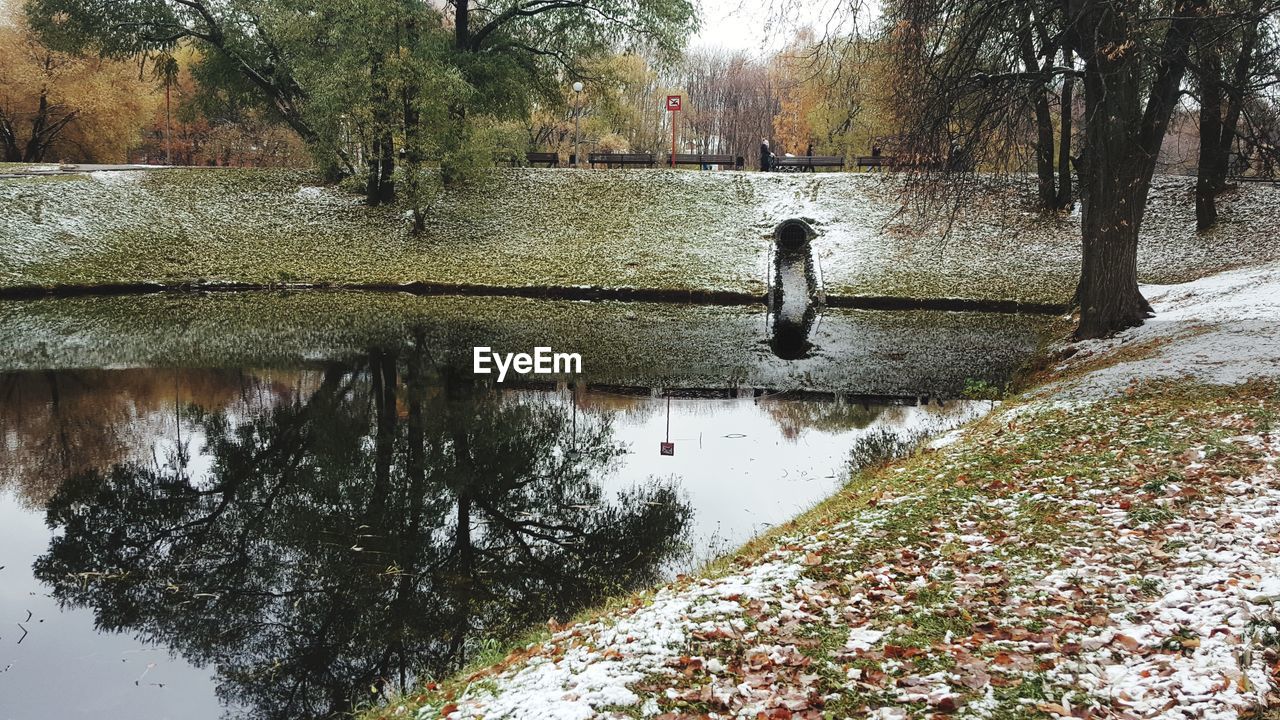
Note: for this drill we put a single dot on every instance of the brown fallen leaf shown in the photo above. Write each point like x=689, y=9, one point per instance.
x=1129, y=643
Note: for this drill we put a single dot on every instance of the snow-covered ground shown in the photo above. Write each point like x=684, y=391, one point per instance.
x=1222, y=329
x=1091, y=555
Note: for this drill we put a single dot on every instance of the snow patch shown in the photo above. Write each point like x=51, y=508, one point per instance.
x=1223, y=330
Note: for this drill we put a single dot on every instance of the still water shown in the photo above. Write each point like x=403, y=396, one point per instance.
x=287, y=506
x=294, y=541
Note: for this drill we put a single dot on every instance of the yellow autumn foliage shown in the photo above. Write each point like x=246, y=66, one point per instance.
x=60, y=107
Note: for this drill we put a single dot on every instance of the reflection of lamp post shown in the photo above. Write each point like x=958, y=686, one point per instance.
x=577, y=113
x=573, y=400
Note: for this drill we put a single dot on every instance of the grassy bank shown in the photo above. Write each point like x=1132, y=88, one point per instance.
x=1106, y=544
x=974, y=577
x=658, y=229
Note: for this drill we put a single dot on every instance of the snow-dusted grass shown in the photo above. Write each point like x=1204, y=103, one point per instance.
x=654, y=229
x=1114, y=555
x=24, y=168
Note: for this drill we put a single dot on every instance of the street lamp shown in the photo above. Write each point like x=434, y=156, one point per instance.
x=577, y=155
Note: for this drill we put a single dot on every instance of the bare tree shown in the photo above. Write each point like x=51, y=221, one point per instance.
x=964, y=88
x=732, y=99
x=1229, y=72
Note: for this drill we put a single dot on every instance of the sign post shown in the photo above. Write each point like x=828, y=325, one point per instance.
x=673, y=107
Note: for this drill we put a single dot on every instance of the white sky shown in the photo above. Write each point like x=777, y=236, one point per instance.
x=765, y=25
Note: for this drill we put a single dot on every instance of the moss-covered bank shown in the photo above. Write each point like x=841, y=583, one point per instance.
x=616, y=229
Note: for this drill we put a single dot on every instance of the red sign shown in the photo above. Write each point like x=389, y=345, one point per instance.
x=673, y=102
x=667, y=448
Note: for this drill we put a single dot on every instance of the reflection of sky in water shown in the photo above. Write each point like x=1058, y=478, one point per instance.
x=743, y=464
x=63, y=668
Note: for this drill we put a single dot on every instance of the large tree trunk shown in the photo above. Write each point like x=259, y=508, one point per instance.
x=1113, y=193
x=1108, y=293
x=1207, y=172
x=1112, y=198
x=1064, y=132
x=1122, y=141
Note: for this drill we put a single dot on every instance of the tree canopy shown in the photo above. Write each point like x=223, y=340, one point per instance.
x=366, y=82
x=56, y=105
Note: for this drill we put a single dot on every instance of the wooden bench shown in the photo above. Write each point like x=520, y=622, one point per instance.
x=807, y=162
x=611, y=160
x=875, y=161
x=549, y=159
x=734, y=161
x=532, y=159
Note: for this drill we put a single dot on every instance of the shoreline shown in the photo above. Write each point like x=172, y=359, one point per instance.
x=562, y=292
x=1107, y=474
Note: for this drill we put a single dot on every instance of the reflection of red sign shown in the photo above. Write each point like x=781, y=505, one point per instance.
x=673, y=102
x=667, y=448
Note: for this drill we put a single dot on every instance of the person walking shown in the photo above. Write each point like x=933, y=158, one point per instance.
x=809, y=154
x=766, y=156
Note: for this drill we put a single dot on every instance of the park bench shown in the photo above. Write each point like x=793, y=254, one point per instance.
x=549, y=159
x=734, y=161
x=807, y=162
x=875, y=161
x=532, y=159
x=611, y=160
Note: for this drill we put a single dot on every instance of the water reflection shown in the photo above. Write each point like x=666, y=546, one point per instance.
x=793, y=418
x=792, y=309
x=55, y=424
x=311, y=535
x=373, y=524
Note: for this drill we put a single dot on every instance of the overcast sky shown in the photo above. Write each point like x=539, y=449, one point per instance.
x=763, y=25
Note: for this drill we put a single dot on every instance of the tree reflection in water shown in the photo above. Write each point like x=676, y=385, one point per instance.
x=376, y=531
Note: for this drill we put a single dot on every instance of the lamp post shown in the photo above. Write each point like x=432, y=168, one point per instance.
x=577, y=114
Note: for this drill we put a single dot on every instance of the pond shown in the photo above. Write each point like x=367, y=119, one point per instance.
x=197, y=525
